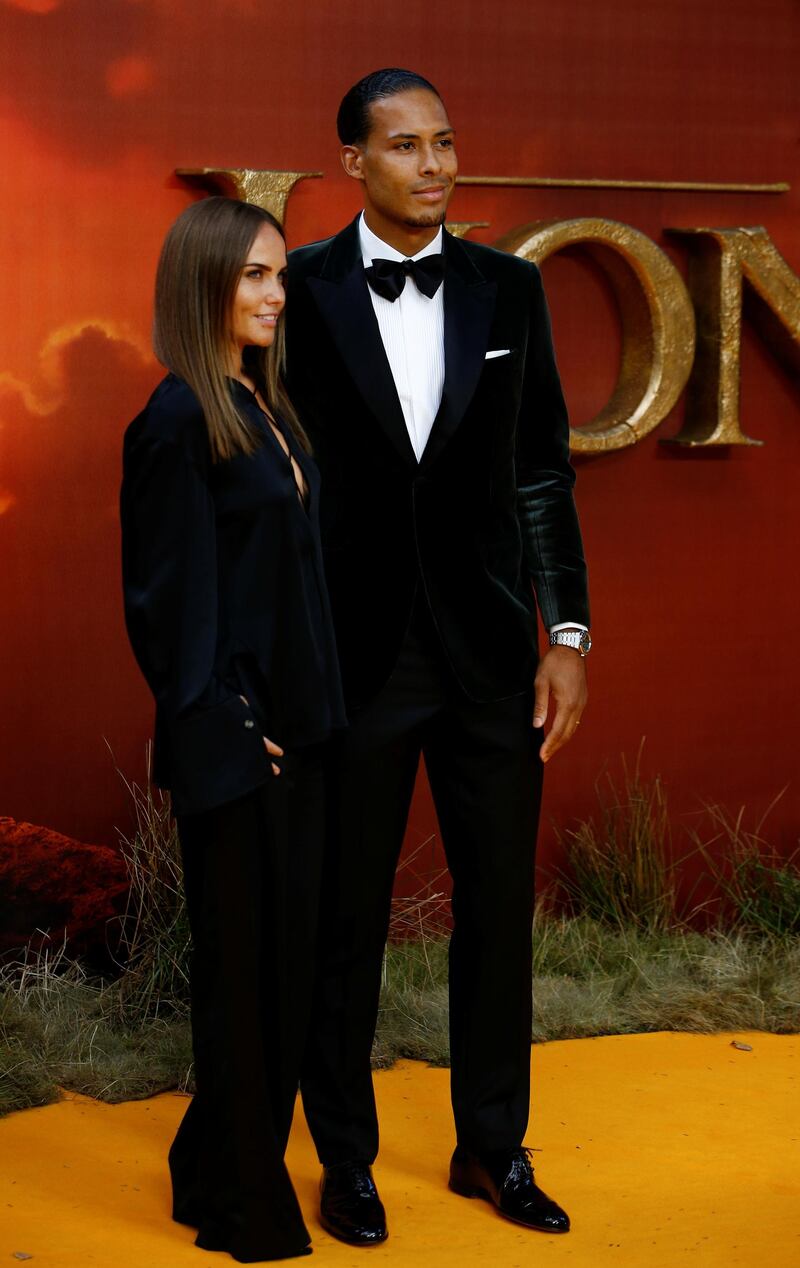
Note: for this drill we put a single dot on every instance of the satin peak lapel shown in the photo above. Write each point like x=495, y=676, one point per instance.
x=469, y=301
x=342, y=296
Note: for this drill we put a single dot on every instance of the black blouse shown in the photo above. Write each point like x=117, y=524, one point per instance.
x=225, y=598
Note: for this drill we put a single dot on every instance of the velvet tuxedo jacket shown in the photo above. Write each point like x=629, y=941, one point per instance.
x=486, y=519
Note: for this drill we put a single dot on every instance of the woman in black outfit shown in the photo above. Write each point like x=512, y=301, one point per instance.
x=228, y=615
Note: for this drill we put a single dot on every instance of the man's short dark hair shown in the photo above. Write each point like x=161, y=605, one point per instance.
x=353, y=121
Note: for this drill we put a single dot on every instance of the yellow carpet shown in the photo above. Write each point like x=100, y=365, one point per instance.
x=666, y=1149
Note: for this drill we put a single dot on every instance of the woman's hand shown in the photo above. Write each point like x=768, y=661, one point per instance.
x=273, y=749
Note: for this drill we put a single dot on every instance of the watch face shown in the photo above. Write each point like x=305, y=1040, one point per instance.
x=585, y=644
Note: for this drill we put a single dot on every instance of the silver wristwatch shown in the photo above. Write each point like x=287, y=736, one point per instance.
x=581, y=640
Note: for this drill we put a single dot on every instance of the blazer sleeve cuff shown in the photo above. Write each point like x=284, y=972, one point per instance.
x=215, y=755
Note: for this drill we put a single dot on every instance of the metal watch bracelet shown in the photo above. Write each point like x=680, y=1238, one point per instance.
x=581, y=640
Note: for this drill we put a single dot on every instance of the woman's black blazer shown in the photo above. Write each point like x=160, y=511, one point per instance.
x=225, y=597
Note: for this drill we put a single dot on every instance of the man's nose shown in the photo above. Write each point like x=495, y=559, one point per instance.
x=430, y=161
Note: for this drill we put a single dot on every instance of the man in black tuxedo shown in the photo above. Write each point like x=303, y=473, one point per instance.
x=423, y=369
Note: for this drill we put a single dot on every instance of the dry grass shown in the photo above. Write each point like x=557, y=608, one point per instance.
x=153, y=937
x=620, y=868
x=759, y=888
x=619, y=961
x=61, y=1028
x=592, y=979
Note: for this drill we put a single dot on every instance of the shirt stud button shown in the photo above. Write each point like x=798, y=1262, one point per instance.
x=249, y=724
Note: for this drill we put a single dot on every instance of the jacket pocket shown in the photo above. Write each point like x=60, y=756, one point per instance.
x=215, y=756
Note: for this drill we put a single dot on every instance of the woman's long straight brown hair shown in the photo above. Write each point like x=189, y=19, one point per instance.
x=198, y=272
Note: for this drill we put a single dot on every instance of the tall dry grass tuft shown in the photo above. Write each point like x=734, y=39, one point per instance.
x=154, y=936
x=620, y=869
x=760, y=888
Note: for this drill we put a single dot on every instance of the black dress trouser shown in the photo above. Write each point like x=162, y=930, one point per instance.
x=252, y=872
x=485, y=775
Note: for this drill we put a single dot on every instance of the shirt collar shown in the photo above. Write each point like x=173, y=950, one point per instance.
x=373, y=247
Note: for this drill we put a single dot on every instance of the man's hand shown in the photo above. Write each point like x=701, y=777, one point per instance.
x=562, y=676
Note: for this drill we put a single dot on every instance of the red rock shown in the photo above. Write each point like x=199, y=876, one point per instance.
x=55, y=885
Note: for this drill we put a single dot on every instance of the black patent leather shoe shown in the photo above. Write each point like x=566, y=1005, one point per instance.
x=350, y=1208
x=505, y=1177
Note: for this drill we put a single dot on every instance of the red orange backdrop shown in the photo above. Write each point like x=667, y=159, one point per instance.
x=693, y=556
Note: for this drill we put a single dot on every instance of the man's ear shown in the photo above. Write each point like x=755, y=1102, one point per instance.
x=351, y=157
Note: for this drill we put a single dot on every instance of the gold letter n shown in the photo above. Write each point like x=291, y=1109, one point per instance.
x=719, y=260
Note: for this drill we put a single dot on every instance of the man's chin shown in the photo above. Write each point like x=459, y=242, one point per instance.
x=430, y=221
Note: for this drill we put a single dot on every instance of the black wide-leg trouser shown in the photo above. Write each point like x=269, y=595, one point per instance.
x=252, y=873
x=485, y=775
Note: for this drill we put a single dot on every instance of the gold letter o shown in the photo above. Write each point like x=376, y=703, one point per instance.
x=658, y=328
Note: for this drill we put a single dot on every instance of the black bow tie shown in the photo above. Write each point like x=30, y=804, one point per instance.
x=388, y=277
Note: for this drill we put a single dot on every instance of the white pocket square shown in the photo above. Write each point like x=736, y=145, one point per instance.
x=498, y=352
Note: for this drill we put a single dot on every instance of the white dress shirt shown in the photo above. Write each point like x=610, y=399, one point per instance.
x=412, y=331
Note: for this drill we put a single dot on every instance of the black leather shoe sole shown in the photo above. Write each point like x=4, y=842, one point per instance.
x=470, y=1191
x=372, y=1239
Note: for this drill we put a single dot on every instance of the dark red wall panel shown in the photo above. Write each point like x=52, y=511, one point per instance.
x=692, y=555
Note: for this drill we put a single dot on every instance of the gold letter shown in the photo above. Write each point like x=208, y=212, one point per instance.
x=269, y=190
x=719, y=259
x=657, y=323
x=460, y=228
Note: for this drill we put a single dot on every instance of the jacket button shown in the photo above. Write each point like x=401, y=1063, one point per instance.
x=249, y=724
